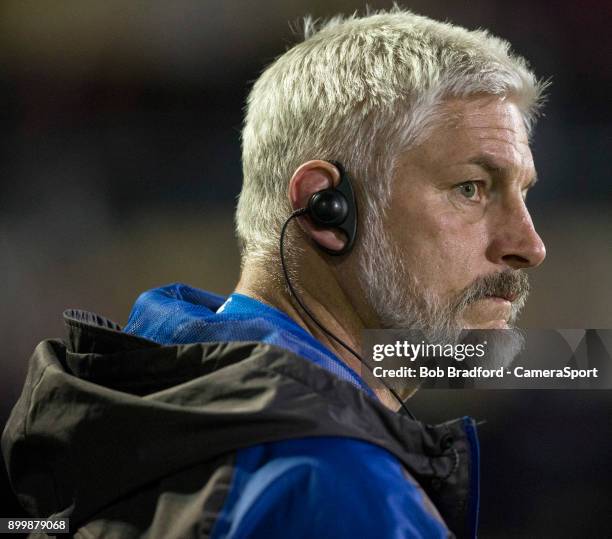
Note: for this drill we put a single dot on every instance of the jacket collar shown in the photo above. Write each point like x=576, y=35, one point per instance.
x=181, y=314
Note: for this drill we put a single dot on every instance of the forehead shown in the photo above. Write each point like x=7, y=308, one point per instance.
x=483, y=127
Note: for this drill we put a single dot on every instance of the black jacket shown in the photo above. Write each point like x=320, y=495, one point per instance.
x=129, y=438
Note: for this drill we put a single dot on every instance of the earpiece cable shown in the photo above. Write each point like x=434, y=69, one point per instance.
x=298, y=213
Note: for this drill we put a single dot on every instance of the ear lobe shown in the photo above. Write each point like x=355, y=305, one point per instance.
x=331, y=239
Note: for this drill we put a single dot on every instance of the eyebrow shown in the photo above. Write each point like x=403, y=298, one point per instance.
x=493, y=167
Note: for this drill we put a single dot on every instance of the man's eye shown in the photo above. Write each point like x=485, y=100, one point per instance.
x=468, y=189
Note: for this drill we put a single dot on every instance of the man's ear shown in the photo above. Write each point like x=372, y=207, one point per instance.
x=309, y=178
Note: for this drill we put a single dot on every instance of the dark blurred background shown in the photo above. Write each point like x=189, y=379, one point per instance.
x=120, y=166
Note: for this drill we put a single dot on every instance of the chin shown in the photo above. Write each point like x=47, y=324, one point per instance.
x=495, y=324
x=503, y=344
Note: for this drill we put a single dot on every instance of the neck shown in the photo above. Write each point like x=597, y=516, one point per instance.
x=327, y=301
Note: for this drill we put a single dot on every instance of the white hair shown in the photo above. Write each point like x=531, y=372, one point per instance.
x=361, y=90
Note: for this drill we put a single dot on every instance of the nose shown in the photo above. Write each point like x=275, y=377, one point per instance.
x=515, y=242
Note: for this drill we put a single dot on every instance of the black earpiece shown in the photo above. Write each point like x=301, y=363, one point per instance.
x=335, y=207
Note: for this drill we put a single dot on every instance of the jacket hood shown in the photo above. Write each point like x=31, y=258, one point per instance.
x=104, y=413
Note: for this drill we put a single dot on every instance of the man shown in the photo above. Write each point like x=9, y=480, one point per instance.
x=247, y=416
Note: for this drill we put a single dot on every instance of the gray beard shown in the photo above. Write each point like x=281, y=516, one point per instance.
x=399, y=302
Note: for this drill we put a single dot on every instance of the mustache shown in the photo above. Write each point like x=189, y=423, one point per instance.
x=510, y=284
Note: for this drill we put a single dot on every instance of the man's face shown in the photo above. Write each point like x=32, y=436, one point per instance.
x=457, y=223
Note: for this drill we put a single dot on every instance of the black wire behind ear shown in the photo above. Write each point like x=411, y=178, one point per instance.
x=335, y=207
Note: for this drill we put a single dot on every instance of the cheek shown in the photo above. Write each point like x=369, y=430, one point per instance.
x=442, y=250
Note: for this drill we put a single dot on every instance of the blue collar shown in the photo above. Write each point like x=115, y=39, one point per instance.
x=180, y=314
